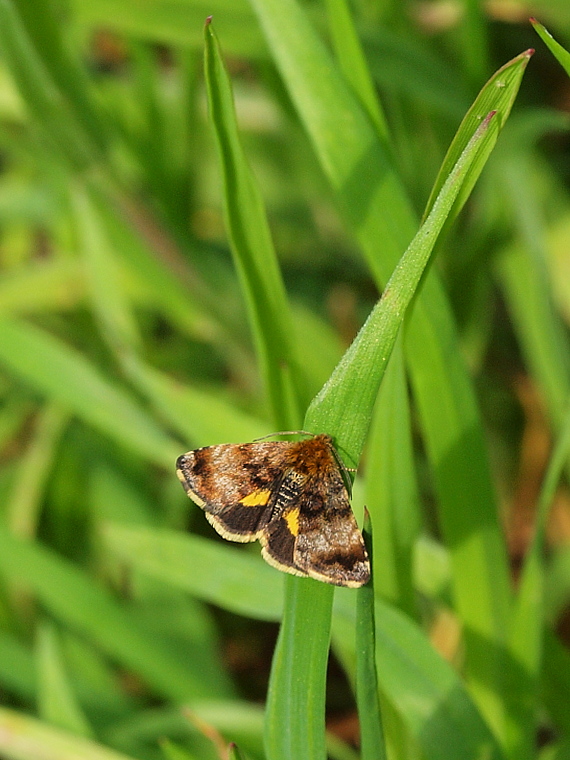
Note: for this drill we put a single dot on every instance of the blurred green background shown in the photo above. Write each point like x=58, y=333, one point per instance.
x=125, y=341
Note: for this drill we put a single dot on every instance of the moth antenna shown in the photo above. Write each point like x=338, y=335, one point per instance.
x=283, y=432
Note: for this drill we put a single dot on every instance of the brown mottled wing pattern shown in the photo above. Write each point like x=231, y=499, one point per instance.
x=318, y=534
x=234, y=484
x=291, y=496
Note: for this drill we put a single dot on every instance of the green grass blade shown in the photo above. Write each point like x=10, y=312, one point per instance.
x=201, y=417
x=253, y=251
x=75, y=600
x=23, y=507
x=391, y=491
x=344, y=406
x=50, y=109
x=353, y=62
x=17, y=668
x=346, y=144
x=555, y=680
x=560, y=53
x=526, y=639
x=42, y=286
x=296, y=696
x=360, y=172
x=57, y=702
x=523, y=269
x=216, y=573
x=25, y=738
x=540, y=334
x=474, y=43
x=343, y=409
x=498, y=95
x=372, y=745
x=234, y=753
x=427, y=693
x=79, y=387
x=47, y=34
x=104, y=276
x=177, y=22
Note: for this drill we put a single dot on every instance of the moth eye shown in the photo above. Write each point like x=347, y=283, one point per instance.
x=181, y=461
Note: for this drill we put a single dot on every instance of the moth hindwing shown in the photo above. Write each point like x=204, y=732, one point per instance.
x=290, y=495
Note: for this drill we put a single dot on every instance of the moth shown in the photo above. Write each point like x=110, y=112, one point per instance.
x=292, y=496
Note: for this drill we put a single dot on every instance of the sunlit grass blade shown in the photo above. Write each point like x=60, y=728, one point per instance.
x=560, y=53
x=42, y=286
x=25, y=738
x=253, y=251
x=372, y=745
x=79, y=387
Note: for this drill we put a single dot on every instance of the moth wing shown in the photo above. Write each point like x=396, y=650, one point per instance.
x=317, y=536
x=234, y=484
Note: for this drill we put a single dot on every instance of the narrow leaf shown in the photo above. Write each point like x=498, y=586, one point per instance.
x=57, y=703
x=218, y=574
x=560, y=53
x=77, y=601
x=344, y=406
x=253, y=251
x=78, y=386
x=372, y=745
